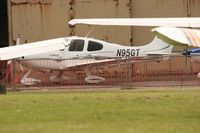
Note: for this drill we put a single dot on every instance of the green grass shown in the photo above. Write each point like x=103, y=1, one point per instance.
x=124, y=111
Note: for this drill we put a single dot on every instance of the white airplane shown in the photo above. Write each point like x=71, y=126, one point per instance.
x=173, y=35
x=83, y=51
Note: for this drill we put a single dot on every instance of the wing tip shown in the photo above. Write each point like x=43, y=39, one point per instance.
x=72, y=22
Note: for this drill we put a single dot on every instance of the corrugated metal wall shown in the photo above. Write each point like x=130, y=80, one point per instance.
x=161, y=8
x=43, y=19
x=39, y=19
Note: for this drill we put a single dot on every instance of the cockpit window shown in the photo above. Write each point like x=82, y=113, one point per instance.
x=94, y=46
x=76, y=45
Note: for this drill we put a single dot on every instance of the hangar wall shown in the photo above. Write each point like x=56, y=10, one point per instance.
x=44, y=19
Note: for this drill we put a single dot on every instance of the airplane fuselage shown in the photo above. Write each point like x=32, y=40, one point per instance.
x=82, y=51
x=80, y=48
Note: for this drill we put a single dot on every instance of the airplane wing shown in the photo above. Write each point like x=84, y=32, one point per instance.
x=172, y=22
x=17, y=51
x=180, y=36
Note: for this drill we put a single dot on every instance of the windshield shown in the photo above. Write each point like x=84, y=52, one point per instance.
x=66, y=39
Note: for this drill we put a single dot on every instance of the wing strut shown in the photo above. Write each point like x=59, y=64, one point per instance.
x=90, y=31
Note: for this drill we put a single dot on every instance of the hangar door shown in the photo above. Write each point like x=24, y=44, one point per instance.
x=3, y=32
x=3, y=23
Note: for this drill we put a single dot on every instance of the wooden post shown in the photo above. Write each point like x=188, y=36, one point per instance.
x=2, y=89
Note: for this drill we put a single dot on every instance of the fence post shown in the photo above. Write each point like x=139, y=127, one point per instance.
x=2, y=89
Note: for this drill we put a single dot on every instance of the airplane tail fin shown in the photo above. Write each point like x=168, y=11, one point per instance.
x=158, y=47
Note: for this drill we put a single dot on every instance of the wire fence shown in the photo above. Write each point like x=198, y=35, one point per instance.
x=122, y=73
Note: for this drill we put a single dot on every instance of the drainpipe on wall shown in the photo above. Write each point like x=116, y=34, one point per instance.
x=130, y=5
x=188, y=8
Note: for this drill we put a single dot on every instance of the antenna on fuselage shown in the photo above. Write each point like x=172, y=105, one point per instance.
x=18, y=39
x=91, y=29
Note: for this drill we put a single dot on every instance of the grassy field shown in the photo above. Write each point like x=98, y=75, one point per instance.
x=122, y=111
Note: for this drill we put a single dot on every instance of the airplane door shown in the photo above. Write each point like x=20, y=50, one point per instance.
x=75, y=49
